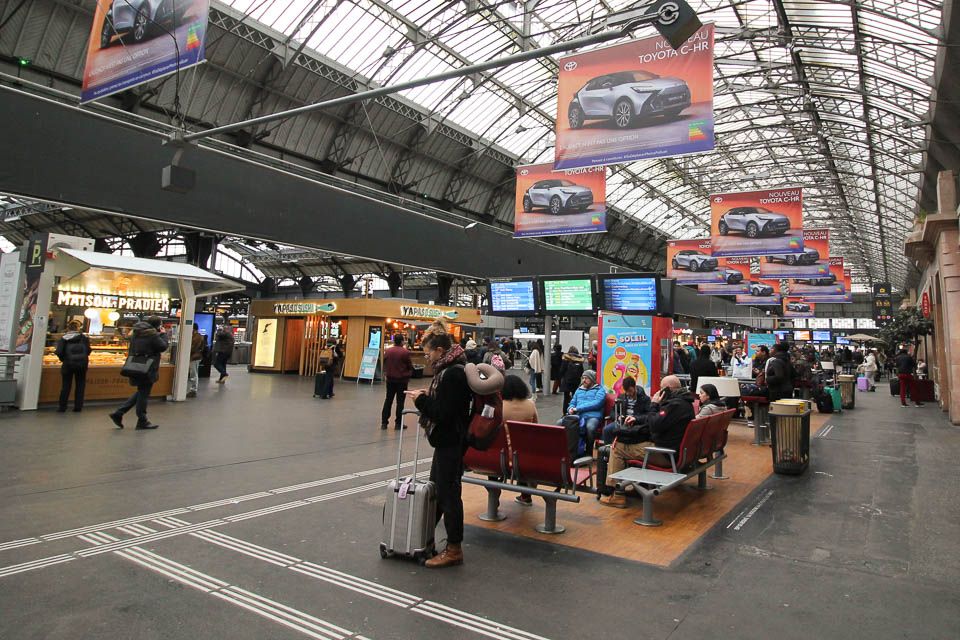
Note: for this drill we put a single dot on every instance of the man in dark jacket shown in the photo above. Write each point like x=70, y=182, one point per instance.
x=663, y=426
x=631, y=405
x=222, y=350
x=397, y=369
x=906, y=367
x=197, y=344
x=147, y=341
x=702, y=366
x=571, y=372
x=73, y=350
x=779, y=372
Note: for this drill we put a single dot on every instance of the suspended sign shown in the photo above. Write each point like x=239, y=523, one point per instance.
x=136, y=42
x=692, y=262
x=757, y=223
x=736, y=279
x=558, y=203
x=795, y=307
x=829, y=284
x=762, y=292
x=813, y=261
x=637, y=100
x=882, y=304
x=925, y=304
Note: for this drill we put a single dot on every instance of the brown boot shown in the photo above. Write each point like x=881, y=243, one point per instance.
x=616, y=500
x=449, y=557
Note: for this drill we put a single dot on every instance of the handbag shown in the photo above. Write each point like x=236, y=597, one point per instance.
x=326, y=356
x=137, y=366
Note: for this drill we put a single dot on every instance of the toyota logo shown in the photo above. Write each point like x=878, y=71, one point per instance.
x=570, y=66
x=718, y=200
x=524, y=172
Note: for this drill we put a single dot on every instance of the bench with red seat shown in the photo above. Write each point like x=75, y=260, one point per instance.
x=528, y=454
x=702, y=447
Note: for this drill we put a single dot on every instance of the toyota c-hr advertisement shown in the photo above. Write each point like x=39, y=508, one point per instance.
x=762, y=292
x=736, y=279
x=633, y=101
x=692, y=262
x=795, y=307
x=812, y=262
x=757, y=223
x=136, y=41
x=550, y=203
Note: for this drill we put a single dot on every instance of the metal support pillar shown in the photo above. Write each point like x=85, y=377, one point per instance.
x=550, y=519
x=547, y=351
x=492, y=513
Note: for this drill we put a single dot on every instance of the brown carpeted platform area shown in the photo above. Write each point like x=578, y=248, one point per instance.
x=687, y=512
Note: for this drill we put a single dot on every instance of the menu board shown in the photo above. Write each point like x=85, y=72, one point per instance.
x=629, y=293
x=568, y=295
x=514, y=296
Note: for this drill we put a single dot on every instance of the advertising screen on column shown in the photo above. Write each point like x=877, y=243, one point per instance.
x=568, y=295
x=692, y=262
x=554, y=203
x=629, y=292
x=637, y=100
x=517, y=297
x=626, y=350
x=756, y=340
x=757, y=223
x=762, y=292
x=795, y=307
x=135, y=42
x=812, y=262
x=736, y=279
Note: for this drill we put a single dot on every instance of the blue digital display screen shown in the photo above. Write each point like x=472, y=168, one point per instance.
x=205, y=322
x=821, y=336
x=512, y=297
x=630, y=294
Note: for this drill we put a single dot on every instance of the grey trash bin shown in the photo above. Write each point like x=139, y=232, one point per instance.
x=848, y=391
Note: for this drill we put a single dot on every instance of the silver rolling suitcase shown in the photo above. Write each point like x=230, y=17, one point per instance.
x=410, y=512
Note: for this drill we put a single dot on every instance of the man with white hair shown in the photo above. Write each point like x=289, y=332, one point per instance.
x=663, y=426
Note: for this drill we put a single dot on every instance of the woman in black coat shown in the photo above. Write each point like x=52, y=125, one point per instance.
x=556, y=361
x=571, y=372
x=702, y=366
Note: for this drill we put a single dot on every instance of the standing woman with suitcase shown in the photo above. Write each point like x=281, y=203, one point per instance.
x=445, y=417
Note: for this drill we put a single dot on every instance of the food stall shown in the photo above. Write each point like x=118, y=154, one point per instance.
x=288, y=335
x=107, y=293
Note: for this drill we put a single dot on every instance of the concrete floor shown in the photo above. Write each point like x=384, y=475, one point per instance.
x=286, y=491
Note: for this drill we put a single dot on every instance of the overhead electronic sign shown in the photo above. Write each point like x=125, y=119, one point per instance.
x=516, y=297
x=629, y=293
x=882, y=304
x=568, y=295
x=822, y=336
x=801, y=335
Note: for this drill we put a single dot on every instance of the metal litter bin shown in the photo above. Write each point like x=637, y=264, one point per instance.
x=848, y=391
x=789, y=438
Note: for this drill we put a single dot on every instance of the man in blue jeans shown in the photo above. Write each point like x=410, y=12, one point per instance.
x=587, y=403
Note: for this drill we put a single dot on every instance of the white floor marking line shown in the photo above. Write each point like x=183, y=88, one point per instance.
x=35, y=564
x=359, y=585
x=13, y=544
x=277, y=612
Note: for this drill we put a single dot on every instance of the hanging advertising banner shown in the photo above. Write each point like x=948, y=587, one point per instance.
x=559, y=203
x=757, y=223
x=136, y=42
x=753, y=342
x=841, y=298
x=633, y=101
x=736, y=279
x=795, y=307
x=810, y=263
x=882, y=304
x=762, y=292
x=692, y=262
x=830, y=284
x=626, y=351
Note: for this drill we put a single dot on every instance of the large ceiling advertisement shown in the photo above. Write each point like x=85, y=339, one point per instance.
x=557, y=203
x=637, y=100
x=829, y=284
x=135, y=42
x=736, y=279
x=813, y=262
x=757, y=223
x=762, y=292
x=692, y=262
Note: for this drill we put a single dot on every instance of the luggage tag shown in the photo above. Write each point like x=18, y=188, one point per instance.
x=489, y=411
x=405, y=486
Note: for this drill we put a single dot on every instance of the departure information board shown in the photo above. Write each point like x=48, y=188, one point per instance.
x=630, y=294
x=513, y=297
x=574, y=294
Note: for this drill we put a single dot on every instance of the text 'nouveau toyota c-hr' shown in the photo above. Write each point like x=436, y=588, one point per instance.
x=760, y=289
x=753, y=222
x=626, y=97
x=141, y=19
x=809, y=256
x=557, y=196
x=693, y=260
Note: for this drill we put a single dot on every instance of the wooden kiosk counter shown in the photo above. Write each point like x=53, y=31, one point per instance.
x=288, y=335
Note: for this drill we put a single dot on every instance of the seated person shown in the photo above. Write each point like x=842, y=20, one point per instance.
x=631, y=403
x=710, y=401
x=663, y=426
x=517, y=406
x=587, y=405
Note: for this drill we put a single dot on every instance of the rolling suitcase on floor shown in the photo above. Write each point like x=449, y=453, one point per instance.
x=322, y=384
x=835, y=396
x=603, y=459
x=894, y=386
x=863, y=384
x=410, y=513
x=922, y=391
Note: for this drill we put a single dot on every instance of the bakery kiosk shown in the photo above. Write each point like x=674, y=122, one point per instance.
x=288, y=335
x=107, y=293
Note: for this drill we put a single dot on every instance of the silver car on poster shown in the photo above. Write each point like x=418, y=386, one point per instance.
x=557, y=196
x=753, y=222
x=140, y=19
x=625, y=97
x=693, y=260
x=798, y=307
x=760, y=289
x=809, y=256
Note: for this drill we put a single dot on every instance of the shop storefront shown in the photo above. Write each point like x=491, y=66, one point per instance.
x=288, y=335
x=107, y=294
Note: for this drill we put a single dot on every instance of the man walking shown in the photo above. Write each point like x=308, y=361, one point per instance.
x=397, y=368
x=222, y=350
x=147, y=342
x=906, y=367
x=197, y=342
